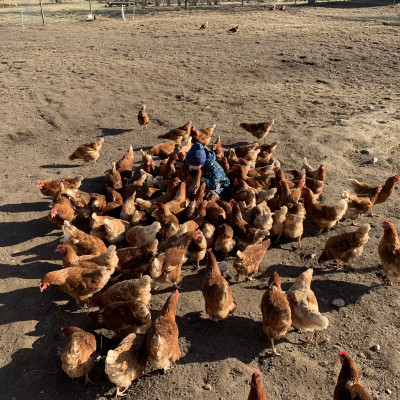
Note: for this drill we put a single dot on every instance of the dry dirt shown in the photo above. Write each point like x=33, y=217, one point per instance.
x=328, y=75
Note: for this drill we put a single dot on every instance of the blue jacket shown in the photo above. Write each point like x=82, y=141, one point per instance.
x=213, y=174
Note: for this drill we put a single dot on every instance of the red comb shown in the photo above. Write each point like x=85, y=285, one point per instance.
x=255, y=373
x=343, y=353
x=62, y=329
x=397, y=176
x=176, y=291
x=209, y=250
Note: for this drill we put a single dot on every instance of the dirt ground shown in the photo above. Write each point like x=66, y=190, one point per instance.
x=328, y=75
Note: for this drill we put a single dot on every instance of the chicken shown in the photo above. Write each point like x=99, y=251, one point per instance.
x=257, y=391
x=169, y=222
x=164, y=150
x=134, y=260
x=348, y=386
x=366, y=189
x=204, y=26
x=131, y=289
x=278, y=223
x=51, y=188
x=71, y=259
x=389, y=252
x=80, y=283
x=166, y=266
x=197, y=250
x=143, y=117
x=128, y=207
x=162, y=338
x=97, y=227
x=216, y=291
x=315, y=173
x=247, y=261
x=87, y=203
x=116, y=201
x=358, y=206
x=345, y=246
x=182, y=132
x=258, y=130
x=208, y=230
x=213, y=210
x=234, y=29
x=127, y=362
x=62, y=209
x=78, y=353
x=109, y=259
x=184, y=149
x=125, y=164
x=113, y=178
x=123, y=317
x=245, y=232
x=147, y=162
x=167, y=167
x=178, y=204
x=304, y=306
x=202, y=136
x=224, y=242
x=315, y=185
x=115, y=230
x=275, y=309
x=262, y=216
x=88, y=151
x=82, y=242
x=218, y=149
x=139, y=236
x=293, y=225
x=323, y=215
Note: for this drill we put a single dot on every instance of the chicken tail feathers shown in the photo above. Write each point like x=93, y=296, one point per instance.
x=155, y=268
x=314, y=320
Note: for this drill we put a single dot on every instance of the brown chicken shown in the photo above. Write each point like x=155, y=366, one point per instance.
x=275, y=309
x=115, y=201
x=167, y=167
x=304, y=306
x=234, y=29
x=314, y=173
x=123, y=317
x=278, y=223
x=164, y=150
x=389, y=252
x=125, y=164
x=218, y=149
x=202, y=136
x=80, y=283
x=147, y=163
x=323, y=215
x=143, y=117
x=71, y=259
x=169, y=222
x=127, y=362
x=257, y=391
x=115, y=230
x=88, y=151
x=139, y=236
x=162, y=338
x=245, y=232
x=247, y=261
x=293, y=225
x=109, y=259
x=178, y=204
x=345, y=246
x=166, y=266
x=87, y=203
x=131, y=289
x=134, y=260
x=224, y=241
x=113, y=178
x=197, y=250
x=216, y=291
x=258, y=130
x=358, y=206
x=62, y=209
x=97, y=227
x=182, y=132
x=204, y=26
x=348, y=386
x=78, y=353
x=82, y=242
x=368, y=190
x=52, y=188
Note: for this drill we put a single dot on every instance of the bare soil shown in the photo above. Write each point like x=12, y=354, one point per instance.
x=328, y=75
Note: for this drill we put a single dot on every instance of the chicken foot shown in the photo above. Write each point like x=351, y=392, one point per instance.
x=88, y=380
x=121, y=393
x=309, y=339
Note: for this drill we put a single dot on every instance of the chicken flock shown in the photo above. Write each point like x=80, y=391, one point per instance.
x=146, y=224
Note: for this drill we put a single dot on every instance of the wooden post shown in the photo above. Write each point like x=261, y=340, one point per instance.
x=41, y=10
